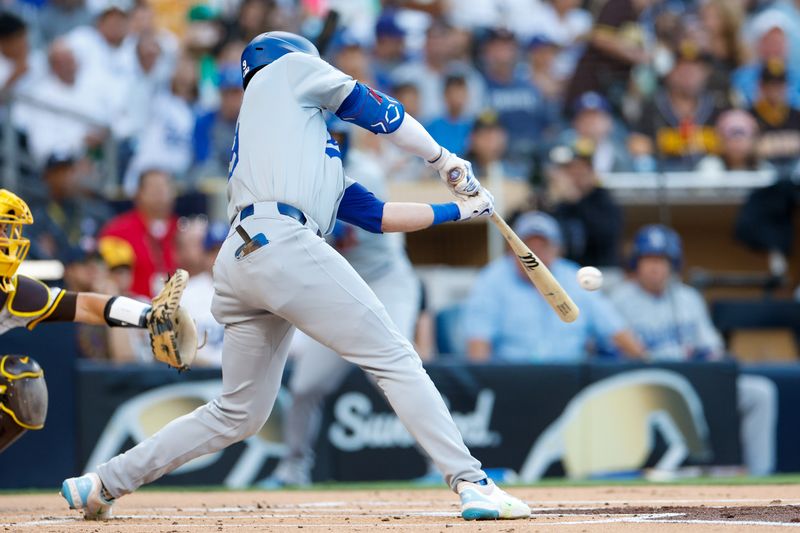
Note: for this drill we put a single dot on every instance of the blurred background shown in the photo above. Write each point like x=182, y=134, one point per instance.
x=658, y=140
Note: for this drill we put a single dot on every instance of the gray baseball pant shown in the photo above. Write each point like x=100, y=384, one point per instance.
x=295, y=279
x=318, y=371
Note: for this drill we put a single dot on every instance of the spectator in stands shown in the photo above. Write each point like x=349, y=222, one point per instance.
x=203, y=36
x=778, y=120
x=399, y=166
x=451, y=130
x=722, y=28
x=102, y=50
x=166, y=141
x=351, y=58
x=85, y=272
x=59, y=17
x=123, y=345
x=389, y=51
x=429, y=74
x=565, y=24
x=593, y=120
x=152, y=72
x=737, y=132
x=520, y=108
x=488, y=143
x=508, y=320
x=770, y=36
x=150, y=229
x=68, y=112
x=198, y=245
x=66, y=217
x=255, y=17
x=542, y=71
x=589, y=217
x=214, y=131
x=671, y=320
x=790, y=10
x=18, y=65
x=144, y=22
x=616, y=45
x=677, y=125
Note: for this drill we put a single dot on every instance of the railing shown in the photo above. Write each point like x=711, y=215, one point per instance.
x=686, y=187
x=108, y=168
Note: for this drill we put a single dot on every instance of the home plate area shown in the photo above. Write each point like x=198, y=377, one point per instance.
x=584, y=509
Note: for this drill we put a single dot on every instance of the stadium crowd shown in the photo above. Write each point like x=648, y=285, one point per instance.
x=553, y=92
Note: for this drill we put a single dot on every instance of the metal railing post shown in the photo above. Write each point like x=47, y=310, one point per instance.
x=9, y=149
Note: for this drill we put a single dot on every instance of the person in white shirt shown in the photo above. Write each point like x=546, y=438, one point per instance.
x=106, y=53
x=165, y=141
x=63, y=112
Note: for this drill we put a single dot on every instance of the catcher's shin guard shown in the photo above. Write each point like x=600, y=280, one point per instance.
x=23, y=398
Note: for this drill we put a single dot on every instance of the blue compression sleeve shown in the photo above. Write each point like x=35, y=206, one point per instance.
x=448, y=212
x=361, y=208
x=371, y=109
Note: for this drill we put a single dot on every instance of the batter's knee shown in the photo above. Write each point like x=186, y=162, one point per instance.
x=240, y=422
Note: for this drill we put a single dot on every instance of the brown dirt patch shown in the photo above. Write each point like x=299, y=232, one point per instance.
x=773, y=512
x=586, y=510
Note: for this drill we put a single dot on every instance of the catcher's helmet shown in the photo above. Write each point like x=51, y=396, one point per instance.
x=269, y=46
x=14, y=213
x=657, y=239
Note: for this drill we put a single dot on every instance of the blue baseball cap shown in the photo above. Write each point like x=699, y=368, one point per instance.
x=344, y=39
x=387, y=26
x=593, y=101
x=537, y=41
x=216, y=233
x=229, y=77
x=538, y=224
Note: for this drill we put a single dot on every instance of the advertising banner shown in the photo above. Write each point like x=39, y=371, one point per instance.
x=525, y=422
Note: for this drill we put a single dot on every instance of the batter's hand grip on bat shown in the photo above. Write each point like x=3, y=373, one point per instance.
x=454, y=176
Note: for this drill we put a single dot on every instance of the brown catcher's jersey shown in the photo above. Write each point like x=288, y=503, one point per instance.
x=31, y=303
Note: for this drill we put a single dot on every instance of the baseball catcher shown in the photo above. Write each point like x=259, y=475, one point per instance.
x=27, y=302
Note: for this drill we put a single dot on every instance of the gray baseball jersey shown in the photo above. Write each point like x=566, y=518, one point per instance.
x=673, y=326
x=281, y=149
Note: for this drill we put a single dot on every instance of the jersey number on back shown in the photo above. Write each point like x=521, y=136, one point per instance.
x=234, y=153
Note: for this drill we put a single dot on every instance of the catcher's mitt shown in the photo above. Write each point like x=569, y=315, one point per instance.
x=173, y=334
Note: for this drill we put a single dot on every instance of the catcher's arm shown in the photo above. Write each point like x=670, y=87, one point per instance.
x=173, y=334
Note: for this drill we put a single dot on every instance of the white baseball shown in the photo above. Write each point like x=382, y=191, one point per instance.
x=590, y=278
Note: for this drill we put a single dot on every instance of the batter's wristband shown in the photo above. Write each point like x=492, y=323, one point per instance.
x=448, y=212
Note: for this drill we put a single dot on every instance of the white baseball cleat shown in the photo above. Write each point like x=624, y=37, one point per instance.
x=85, y=493
x=489, y=502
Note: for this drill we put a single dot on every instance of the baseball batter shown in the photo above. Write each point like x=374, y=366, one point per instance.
x=381, y=261
x=274, y=273
x=27, y=302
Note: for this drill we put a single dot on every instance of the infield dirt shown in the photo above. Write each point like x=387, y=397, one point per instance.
x=649, y=508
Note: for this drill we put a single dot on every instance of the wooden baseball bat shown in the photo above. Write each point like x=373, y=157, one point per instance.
x=537, y=272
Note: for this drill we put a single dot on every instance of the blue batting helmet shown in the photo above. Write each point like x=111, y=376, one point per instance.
x=657, y=239
x=269, y=46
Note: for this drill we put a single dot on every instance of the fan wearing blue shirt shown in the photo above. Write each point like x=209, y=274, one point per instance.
x=508, y=320
x=522, y=110
x=452, y=129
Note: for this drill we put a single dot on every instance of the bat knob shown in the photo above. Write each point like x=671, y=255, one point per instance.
x=455, y=175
